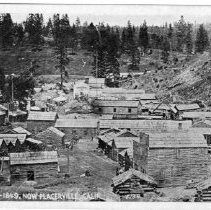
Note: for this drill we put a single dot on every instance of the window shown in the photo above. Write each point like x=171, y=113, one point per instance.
x=180, y=126
x=129, y=110
x=30, y=175
x=114, y=109
x=100, y=110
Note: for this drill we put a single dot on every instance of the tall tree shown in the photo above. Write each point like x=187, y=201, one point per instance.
x=34, y=26
x=181, y=30
x=165, y=49
x=61, y=34
x=202, y=40
x=6, y=31
x=189, y=39
x=143, y=37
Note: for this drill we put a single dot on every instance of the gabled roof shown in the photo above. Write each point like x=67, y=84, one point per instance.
x=56, y=131
x=121, y=178
x=147, y=96
x=202, y=124
x=42, y=116
x=76, y=123
x=177, y=140
x=125, y=142
x=147, y=126
x=116, y=103
x=12, y=138
x=196, y=115
x=21, y=130
x=183, y=107
x=24, y=158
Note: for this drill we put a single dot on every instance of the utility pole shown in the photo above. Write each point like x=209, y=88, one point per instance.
x=12, y=88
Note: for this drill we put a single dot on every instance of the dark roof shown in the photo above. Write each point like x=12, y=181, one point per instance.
x=42, y=116
x=147, y=126
x=177, y=140
x=183, y=107
x=24, y=158
x=121, y=178
x=115, y=103
x=76, y=123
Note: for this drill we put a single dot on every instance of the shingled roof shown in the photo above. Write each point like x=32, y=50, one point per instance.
x=116, y=103
x=76, y=123
x=24, y=158
x=177, y=140
x=183, y=107
x=22, y=130
x=42, y=116
x=147, y=126
x=125, y=142
x=121, y=178
x=12, y=138
x=196, y=115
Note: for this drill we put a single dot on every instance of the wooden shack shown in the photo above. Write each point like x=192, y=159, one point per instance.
x=4, y=170
x=123, y=108
x=33, y=166
x=203, y=189
x=194, y=116
x=21, y=130
x=40, y=121
x=186, y=107
x=174, y=158
x=18, y=143
x=133, y=182
x=52, y=136
x=147, y=126
x=78, y=128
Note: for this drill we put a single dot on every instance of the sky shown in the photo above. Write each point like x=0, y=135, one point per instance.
x=114, y=14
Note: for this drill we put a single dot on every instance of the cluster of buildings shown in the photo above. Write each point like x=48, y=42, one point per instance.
x=168, y=144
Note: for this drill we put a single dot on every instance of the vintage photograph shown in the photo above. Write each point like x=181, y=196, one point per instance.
x=105, y=103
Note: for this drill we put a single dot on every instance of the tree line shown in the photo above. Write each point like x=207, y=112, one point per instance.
x=106, y=43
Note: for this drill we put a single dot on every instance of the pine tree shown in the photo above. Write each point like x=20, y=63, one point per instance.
x=34, y=26
x=6, y=31
x=189, y=39
x=181, y=31
x=61, y=34
x=18, y=34
x=165, y=49
x=202, y=40
x=143, y=37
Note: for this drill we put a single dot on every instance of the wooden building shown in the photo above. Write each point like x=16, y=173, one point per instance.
x=147, y=126
x=203, y=189
x=52, y=136
x=133, y=182
x=40, y=121
x=4, y=170
x=196, y=115
x=186, y=107
x=117, y=108
x=21, y=130
x=174, y=158
x=78, y=128
x=96, y=82
x=18, y=143
x=33, y=166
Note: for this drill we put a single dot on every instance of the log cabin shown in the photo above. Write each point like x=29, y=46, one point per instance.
x=40, y=121
x=40, y=167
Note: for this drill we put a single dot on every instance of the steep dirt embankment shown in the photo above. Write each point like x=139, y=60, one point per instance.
x=194, y=81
